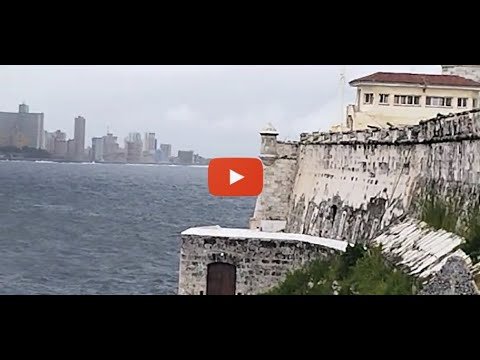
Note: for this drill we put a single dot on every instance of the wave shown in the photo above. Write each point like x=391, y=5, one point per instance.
x=142, y=164
x=63, y=162
x=192, y=166
x=65, y=208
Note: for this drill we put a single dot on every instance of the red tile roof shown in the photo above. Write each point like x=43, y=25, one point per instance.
x=418, y=79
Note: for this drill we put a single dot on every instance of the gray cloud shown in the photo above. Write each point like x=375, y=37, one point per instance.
x=214, y=110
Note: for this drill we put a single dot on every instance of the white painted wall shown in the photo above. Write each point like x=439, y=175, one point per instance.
x=377, y=114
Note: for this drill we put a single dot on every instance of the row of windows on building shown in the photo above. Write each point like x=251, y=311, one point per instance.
x=414, y=100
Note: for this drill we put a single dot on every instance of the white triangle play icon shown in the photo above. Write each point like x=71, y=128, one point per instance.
x=235, y=177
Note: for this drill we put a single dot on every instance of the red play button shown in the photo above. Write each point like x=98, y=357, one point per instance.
x=235, y=177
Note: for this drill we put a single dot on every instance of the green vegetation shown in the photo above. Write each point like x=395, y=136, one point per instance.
x=25, y=152
x=472, y=245
x=440, y=214
x=358, y=271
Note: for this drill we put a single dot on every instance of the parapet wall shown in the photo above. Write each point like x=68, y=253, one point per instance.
x=351, y=185
x=443, y=128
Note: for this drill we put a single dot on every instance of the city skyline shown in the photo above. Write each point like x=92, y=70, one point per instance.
x=24, y=133
x=153, y=143
x=197, y=107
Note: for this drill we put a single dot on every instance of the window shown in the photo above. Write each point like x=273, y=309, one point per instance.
x=384, y=99
x=439, y=101
x=406, y=100
x=368, y=99
x=475, y=103
x=462, y=102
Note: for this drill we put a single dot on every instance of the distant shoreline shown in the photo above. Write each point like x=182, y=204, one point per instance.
x=52, y=161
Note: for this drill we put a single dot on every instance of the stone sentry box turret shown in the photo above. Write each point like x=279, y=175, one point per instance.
x=268, y=149
x=279, y=160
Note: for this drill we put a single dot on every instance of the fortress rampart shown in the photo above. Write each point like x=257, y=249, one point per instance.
x=330, y=189
x=352, y=185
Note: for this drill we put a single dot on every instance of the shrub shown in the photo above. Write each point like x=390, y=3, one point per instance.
x=357, y=271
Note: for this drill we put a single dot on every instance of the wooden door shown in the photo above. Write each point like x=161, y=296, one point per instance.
x=221, y=279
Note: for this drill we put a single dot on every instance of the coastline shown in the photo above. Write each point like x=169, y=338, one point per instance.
x=60, y=161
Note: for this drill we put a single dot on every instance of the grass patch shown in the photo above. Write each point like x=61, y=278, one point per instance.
x=440, y=214
x=358, y=271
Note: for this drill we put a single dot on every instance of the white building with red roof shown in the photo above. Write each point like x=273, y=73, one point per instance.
x=398, y=99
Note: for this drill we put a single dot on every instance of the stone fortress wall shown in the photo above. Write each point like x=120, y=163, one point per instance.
x=331, y=189
x=351, y=186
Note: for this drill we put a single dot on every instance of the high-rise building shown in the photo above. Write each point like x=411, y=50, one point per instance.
x=185, y=157
x=149, y=143
x=49, y=139
x=60, y=144
x=111, y=150
x=71, y=149
x=97, y=149
x=79, y=137
x=133, y=147
x=166, y=152
x=59, y=135
x=135, y=137
x=200, y=160
x=166, y=149
x=110, y=144
x=60, y=149
x=134, y=151
x=22, y=128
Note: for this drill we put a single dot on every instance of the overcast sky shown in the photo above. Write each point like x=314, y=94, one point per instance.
x=214, y=110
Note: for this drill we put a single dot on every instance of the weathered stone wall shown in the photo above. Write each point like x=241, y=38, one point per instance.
x=260, y=263
x=421, y=250
x=350, y=186
x=279, y=175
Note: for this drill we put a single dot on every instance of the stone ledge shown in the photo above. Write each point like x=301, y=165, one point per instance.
x=245, y=234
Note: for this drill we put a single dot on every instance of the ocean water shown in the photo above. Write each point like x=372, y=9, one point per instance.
x=100, y=228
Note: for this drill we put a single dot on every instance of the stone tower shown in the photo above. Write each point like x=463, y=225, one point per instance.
x=268, y=149
x=467, y=71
